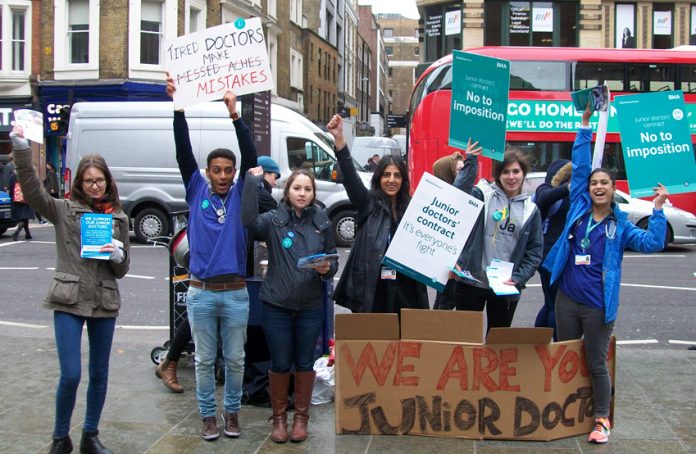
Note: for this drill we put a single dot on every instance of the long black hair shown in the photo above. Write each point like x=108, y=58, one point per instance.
x=403, y=197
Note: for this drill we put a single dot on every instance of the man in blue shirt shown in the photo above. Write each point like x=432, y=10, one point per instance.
x=217, y=299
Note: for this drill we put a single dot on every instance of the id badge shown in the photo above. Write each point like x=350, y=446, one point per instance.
x=582, y=259
x=388, y=273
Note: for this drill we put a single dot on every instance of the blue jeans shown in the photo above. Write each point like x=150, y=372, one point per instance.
x=68, y=332
x=227, y=312
x=291, y=336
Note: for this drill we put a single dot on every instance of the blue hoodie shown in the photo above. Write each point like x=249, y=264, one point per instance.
x=627, y=234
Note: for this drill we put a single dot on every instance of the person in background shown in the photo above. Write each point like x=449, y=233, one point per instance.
x=217, y=300
x=508, y=228
x=586, y=264
x=553, y=199
x=271, y=173
x=292, y=297
x=83, y=291
x=51, y=180
x=22, y=212
x=366, y=285
x=370, y=166
x=7, y=172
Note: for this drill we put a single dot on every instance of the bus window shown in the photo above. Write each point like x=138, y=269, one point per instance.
x=613, y=160
x=541, y=154
x=688, y=78
x=439, y=79
x=539, y=75
x=652, y=77
x=591, y=74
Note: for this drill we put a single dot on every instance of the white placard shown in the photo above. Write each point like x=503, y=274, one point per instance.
x=206, y=64
x=497, y=273
x=453, y=22
x=433, y=231
x=542, y=19
x=662, y=22
x=31, y=122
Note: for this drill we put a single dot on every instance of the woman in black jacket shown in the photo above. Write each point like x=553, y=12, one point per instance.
x=366, y=285
x=293, y=308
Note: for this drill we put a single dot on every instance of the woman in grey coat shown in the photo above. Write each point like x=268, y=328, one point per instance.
x=83, y=291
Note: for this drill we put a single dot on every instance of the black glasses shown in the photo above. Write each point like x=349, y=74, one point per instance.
x=99, y=182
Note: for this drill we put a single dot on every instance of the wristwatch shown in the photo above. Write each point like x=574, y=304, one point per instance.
x=234, y=116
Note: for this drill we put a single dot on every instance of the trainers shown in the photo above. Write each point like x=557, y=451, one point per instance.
x=231, y=424
x=210, y=429
x=601, y=432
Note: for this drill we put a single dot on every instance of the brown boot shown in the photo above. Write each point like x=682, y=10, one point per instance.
x=167, y=372
x=304, y=384
x=279, y=384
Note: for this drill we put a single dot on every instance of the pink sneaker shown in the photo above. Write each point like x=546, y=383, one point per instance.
x=601, y=432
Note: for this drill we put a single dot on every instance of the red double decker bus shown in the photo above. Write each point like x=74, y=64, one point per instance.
x=541, y=119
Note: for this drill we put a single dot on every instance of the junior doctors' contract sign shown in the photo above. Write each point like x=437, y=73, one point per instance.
x=480, y=87
x=656, y=142
x=433, y=231
x=207, y=64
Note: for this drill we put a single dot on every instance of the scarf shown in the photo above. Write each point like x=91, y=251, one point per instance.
x=102, y=204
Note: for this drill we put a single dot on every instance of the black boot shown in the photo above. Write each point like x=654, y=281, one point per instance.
x=61, y=446
x=90, y=444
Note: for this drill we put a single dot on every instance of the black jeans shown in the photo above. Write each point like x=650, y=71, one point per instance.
x=499, y=309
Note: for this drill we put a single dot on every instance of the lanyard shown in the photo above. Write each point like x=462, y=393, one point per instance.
x=585, y=243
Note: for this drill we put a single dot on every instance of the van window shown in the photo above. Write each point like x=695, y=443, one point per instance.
x=308, y=155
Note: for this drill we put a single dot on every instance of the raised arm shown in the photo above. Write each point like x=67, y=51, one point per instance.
x=466, y=177
x=653, y=239
x=184, y=152
x=34, y=192
x=357, y=192
x=251, y=218
x=582, y=159
x=244, y=138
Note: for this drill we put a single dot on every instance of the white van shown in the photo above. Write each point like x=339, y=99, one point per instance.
x=137, y=141
x=363, y=148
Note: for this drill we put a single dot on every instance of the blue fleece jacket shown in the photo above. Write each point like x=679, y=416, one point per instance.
x=627, y=234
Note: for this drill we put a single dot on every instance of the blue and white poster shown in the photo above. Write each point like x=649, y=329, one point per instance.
x=96, y=232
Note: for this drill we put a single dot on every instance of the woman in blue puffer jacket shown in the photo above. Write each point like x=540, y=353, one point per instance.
x=586, y=263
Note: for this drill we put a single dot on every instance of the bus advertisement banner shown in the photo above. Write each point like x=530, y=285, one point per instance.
x=480, y=87
x=656, y=142
x=432, y=232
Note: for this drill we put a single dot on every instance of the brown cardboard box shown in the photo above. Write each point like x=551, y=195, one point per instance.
x=438, y=378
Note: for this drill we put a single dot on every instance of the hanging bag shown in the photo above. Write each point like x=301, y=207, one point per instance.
x=17, y=196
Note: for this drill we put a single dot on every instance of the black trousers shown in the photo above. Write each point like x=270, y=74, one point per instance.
x=499, y=309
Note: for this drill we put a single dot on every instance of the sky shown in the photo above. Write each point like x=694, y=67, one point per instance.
x=406, y=7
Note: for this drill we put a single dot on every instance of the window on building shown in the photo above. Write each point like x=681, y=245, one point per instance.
x=437, y=42
x=271, y=7
x=295, y=69
x=416, y=51
x=525, y=23
x=296, y=11
x=151, y=32
x=18, y=40
x=319, y=62
x=389, y=50
x=391, y=72
x=78, y=31
x=388, y=32
x=196, y=20
x=663, y=29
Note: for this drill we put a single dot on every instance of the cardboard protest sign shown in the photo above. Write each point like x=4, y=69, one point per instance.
x=206, y=64
x=434, y=380
x=31, y=122
x=480, y=87
x=95, y=232
x=432, y=232
x=656, y=142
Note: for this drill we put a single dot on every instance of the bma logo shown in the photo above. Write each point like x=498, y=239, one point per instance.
x=671, y=97
x=543, y=16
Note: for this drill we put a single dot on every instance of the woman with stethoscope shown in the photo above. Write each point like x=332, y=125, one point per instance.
x=587, y=266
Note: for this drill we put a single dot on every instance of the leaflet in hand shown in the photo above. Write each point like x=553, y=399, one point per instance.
x=465, y=275
x=96, y=232
x=314, y=260
x=597, y=97
x=498, y=272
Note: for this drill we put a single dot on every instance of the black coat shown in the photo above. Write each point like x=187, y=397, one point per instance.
x=357, y=287
x=20, y=211
x=285, y=284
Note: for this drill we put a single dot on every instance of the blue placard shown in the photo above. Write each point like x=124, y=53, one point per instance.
x=95, y=232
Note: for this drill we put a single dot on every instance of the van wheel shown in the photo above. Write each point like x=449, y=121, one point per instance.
x=344, y=227
x=150, y=223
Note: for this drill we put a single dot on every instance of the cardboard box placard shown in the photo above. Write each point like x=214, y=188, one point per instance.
x=532, y=391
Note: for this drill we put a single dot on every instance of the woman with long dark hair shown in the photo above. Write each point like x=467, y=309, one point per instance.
x=586, y=264
x=83, y=291
x=366, y=285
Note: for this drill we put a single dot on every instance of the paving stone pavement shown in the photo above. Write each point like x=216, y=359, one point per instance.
x=655, y=408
